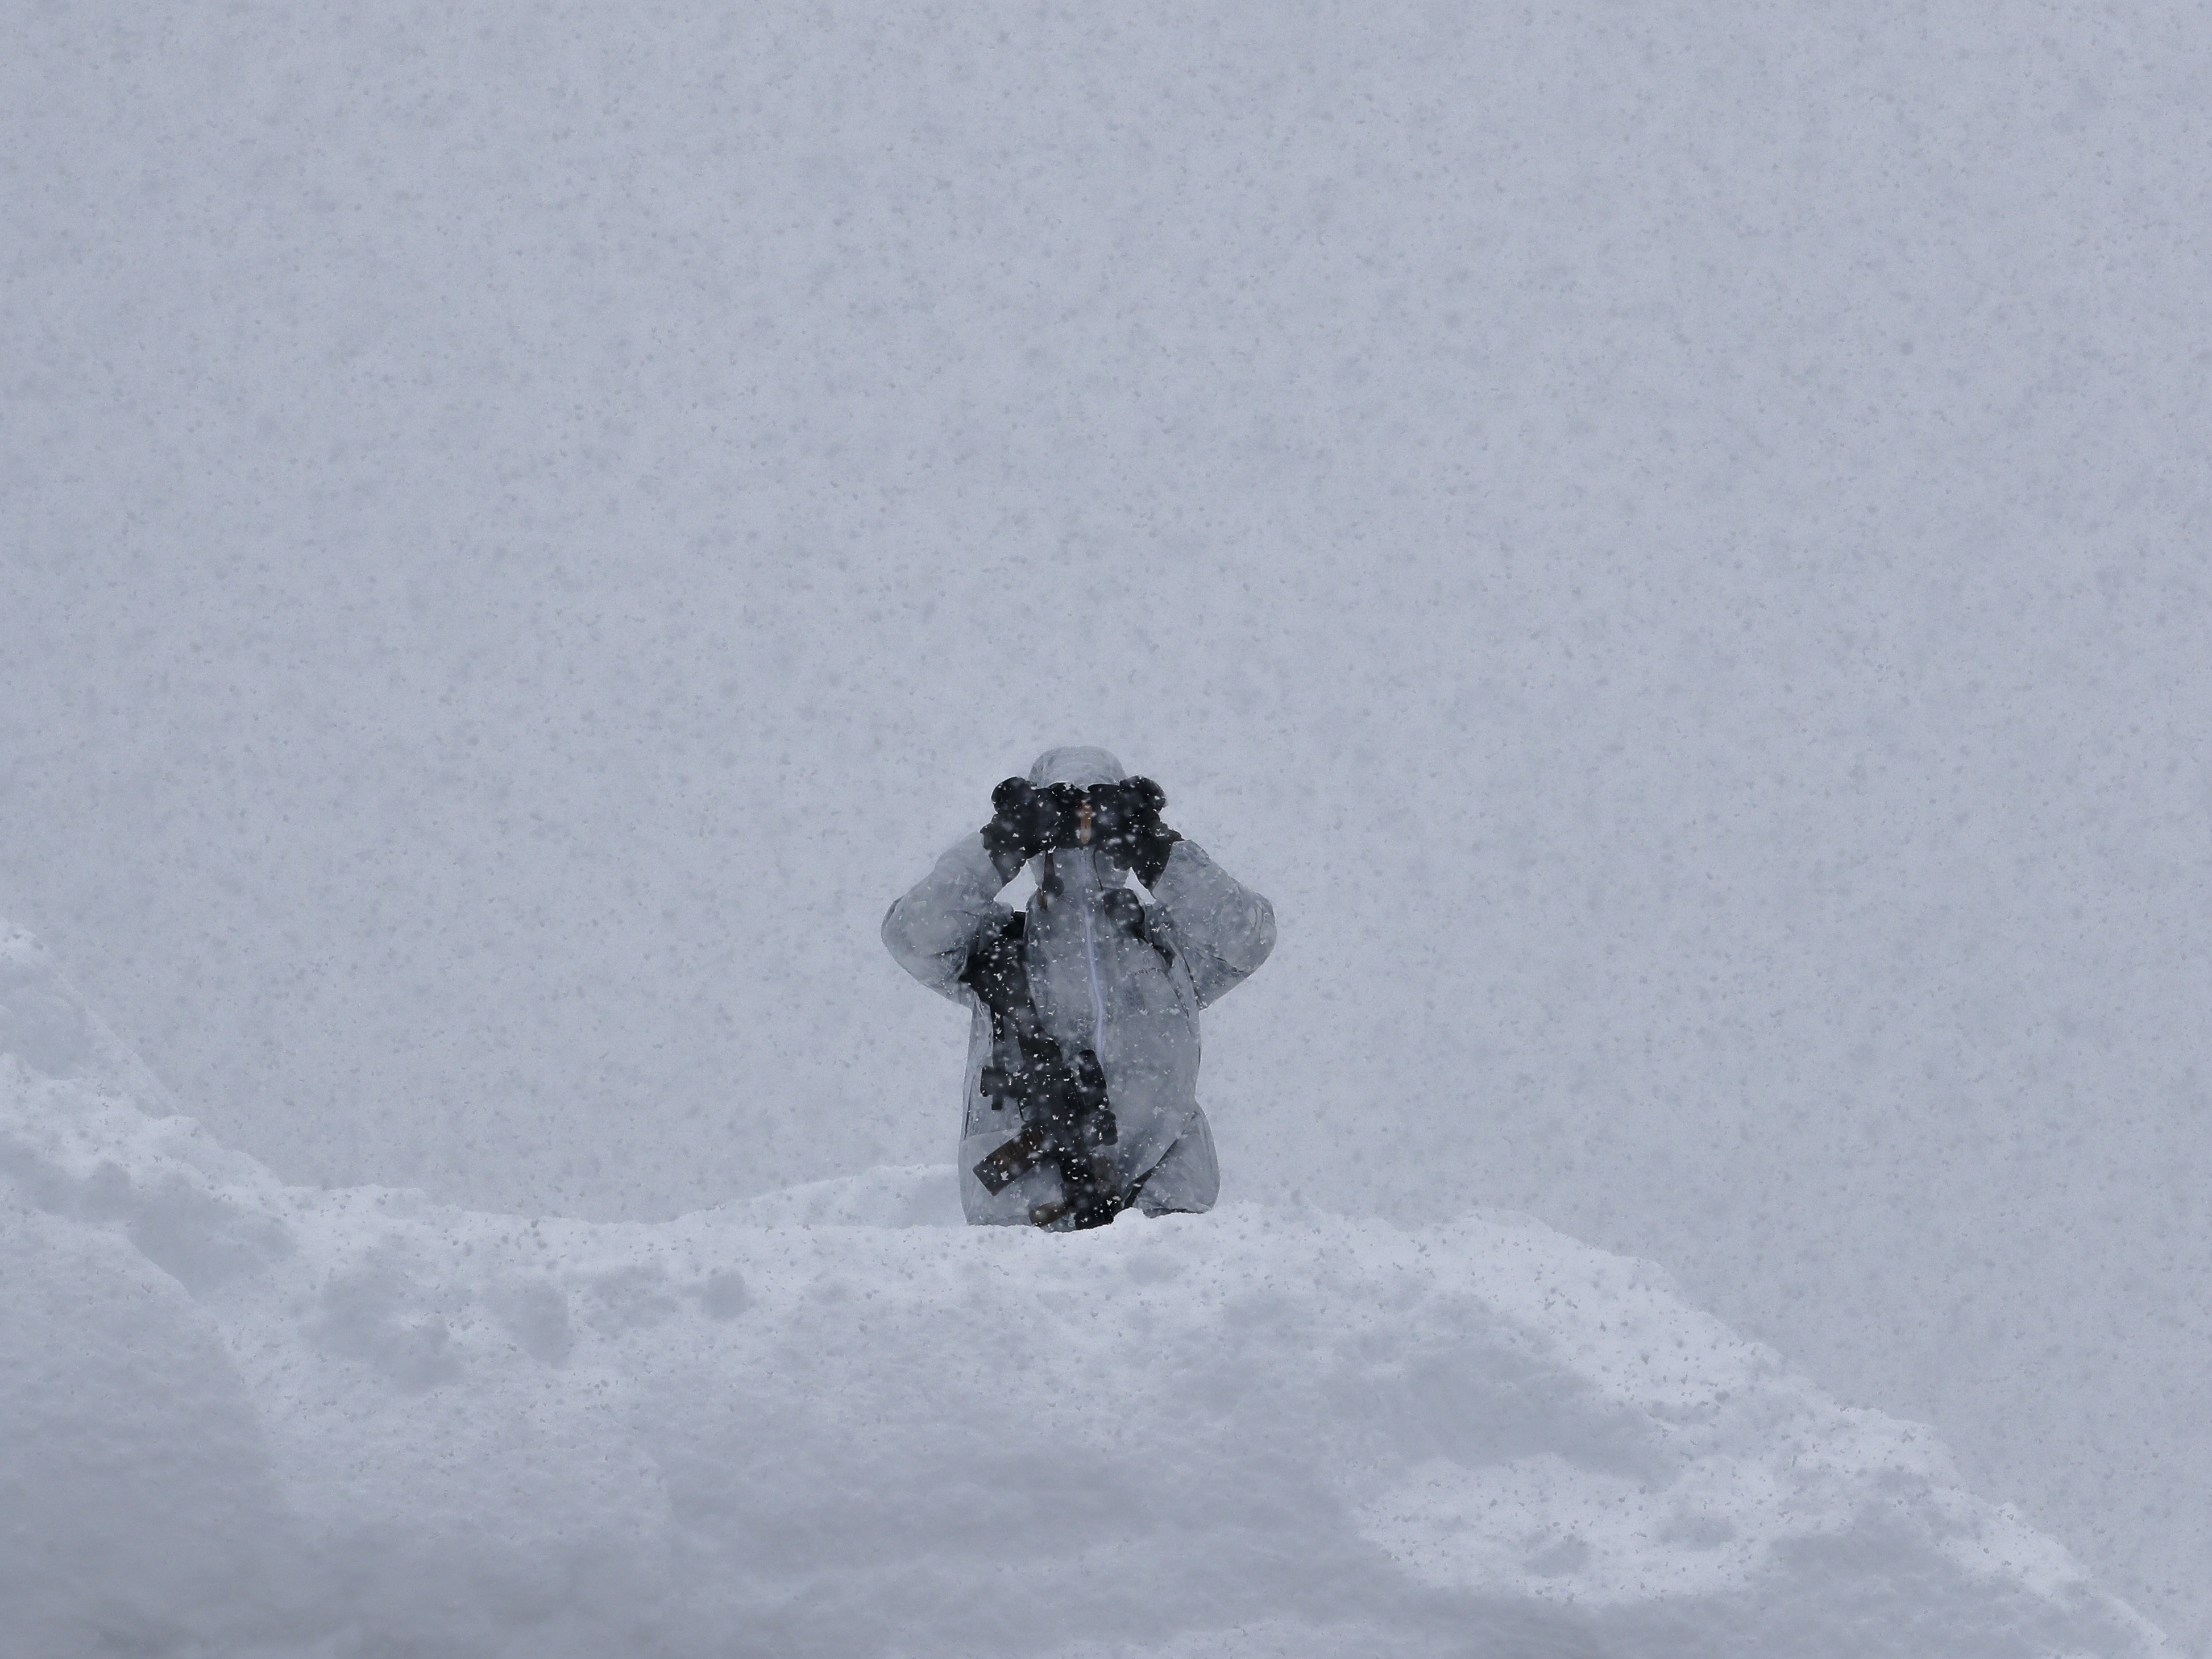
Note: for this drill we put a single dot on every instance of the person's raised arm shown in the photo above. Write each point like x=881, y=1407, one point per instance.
x=930, y=931
x=1223, y=929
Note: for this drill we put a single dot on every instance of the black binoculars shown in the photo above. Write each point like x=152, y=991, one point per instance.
x=1107, y=815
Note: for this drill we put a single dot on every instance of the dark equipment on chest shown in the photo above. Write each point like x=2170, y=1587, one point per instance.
x=1066, y=1122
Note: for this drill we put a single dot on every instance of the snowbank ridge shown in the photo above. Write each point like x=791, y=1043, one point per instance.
x=240, y=1417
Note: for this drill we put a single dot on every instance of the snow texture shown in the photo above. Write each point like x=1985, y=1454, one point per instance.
x=241, y=1418
x=1669, y=539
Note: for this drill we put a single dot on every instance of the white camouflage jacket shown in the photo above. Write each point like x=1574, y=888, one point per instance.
x=1108, y=972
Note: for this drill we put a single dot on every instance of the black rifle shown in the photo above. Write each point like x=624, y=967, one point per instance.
x=1065, y=1120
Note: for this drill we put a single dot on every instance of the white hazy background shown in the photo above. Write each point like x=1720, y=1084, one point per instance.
x=1670, y=540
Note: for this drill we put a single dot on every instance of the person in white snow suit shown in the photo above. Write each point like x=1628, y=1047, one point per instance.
x=1082, y=1077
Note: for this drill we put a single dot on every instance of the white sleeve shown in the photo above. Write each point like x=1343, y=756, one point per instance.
x=930, y=930
x=1222, y=929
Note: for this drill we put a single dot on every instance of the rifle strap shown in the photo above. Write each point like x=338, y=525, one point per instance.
x=997, y=973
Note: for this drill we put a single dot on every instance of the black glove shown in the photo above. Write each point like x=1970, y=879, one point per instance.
x=1029, y=821
x=1125, y=825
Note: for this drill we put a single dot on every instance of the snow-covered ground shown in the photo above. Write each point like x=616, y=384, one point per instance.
x=240, y=1418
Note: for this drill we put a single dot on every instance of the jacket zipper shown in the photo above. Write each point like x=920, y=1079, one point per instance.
x=1097, y=996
